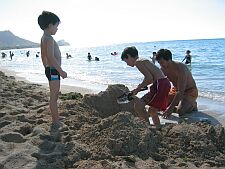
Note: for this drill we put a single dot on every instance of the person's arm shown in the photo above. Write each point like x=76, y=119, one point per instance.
x=180, y=87
x=50, y=55
x=184, y=58
x=148, y=78
x=42, y=55
x=52, y=60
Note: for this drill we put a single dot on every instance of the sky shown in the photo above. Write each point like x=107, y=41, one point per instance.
x=86, y=23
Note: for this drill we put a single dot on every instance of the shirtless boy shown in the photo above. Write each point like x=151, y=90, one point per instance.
x=51, y=58
x=183, y=100
x=157, y=97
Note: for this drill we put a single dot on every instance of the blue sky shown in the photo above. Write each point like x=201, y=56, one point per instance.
x=101, y=22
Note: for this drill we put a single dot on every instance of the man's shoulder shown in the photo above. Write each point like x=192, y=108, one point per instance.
x=181, y=67
x=179, y=64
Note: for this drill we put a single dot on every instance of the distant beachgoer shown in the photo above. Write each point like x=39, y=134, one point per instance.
x=96, y=59
x=114, y=53
x=3, y=55
x=157, y=97
x=153, y=57
x=89, y=56
x=37, y=54
x=11, y=54
x=51, y=59
x=68, y=56
x=28, y=53
x=183, y=98
x=187, y=57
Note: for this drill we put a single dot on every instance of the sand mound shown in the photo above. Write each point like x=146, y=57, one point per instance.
x=119, y=135
x=96, y=133
x=105, y=102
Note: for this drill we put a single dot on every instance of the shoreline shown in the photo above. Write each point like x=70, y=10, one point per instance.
x=63, y=88
x=209, y=107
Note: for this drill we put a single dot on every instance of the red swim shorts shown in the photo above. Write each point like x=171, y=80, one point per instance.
x=157, y=97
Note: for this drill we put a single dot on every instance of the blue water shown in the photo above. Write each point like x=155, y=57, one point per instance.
x=208, y=58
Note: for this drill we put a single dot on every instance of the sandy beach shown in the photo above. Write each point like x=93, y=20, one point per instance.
x=63, y=88
x=98, y=133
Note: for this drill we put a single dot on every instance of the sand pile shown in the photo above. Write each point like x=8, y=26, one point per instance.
x=96, y=133
x=105, y=102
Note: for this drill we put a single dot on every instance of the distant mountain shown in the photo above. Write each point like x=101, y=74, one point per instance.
x=63, y=43
x=9, y=41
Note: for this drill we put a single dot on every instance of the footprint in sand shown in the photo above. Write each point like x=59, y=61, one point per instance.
x=4, y=123
x=13, y=137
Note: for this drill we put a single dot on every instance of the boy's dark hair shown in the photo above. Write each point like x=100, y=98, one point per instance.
x=132, y=51
x=163, y=54
x=47, y=18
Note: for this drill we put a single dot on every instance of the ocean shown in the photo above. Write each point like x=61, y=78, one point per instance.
x=208, y=58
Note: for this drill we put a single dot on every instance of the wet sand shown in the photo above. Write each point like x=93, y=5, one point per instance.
x=63, y=88
x=98, y=133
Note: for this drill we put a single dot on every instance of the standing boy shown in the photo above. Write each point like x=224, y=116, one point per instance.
x=157, y=97
x=51, y=58
x=183, y=99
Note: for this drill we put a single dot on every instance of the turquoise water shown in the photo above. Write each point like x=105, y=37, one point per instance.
x=208, y=58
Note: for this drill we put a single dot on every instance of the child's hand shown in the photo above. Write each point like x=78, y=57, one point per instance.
x=63, y=74
x=167, y=113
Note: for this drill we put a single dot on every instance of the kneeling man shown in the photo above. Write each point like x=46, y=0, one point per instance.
x=183, y=99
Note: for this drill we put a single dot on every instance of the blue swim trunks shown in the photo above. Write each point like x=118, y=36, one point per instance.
x=52, y=74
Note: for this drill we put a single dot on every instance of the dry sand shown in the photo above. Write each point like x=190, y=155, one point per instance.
x=96, y=133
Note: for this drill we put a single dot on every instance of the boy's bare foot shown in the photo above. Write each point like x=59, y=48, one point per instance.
x=56, y=125
x=157, y=127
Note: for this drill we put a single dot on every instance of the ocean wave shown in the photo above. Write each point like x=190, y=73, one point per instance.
x=216, y=96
